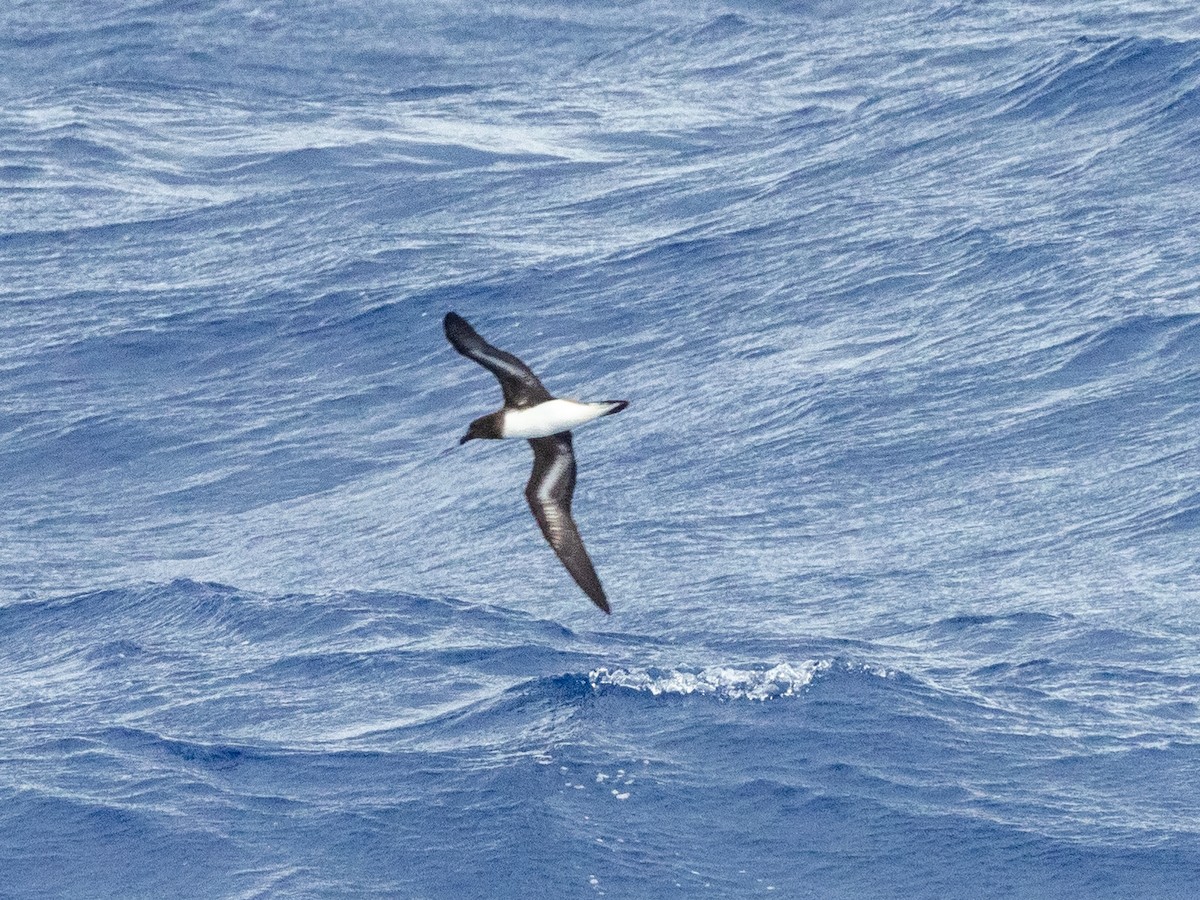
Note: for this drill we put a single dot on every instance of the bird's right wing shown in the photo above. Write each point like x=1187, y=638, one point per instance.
x=549, y=493
x=520, y=386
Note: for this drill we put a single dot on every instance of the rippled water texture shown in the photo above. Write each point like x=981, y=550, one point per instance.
x=899, y=527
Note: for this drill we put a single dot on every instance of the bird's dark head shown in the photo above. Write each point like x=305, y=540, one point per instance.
x=487, y=427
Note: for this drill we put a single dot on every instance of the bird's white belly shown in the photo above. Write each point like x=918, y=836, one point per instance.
x=551, y=417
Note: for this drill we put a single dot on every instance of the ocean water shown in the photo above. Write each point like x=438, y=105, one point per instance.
x=900, y=528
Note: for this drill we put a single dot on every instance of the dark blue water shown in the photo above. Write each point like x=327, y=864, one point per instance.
x=900, y=528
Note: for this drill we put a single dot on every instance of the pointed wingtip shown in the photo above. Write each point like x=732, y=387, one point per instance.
x=456, y=330
x=595, y=592
x=459, y=333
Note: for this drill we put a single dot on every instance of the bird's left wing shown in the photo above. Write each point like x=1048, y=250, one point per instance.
x=549, y=493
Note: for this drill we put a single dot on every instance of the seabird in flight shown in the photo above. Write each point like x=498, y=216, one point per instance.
x=531, y=412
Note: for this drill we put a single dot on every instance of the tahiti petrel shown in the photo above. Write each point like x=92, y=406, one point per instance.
x=531, y=412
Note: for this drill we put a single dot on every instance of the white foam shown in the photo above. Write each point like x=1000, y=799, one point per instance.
x=782, y=680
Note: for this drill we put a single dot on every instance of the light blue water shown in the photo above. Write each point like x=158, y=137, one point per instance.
x=899, y=528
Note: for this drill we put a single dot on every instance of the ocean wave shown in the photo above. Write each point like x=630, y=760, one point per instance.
x=1126, y=346
x=725, y=682
x=1102, y=76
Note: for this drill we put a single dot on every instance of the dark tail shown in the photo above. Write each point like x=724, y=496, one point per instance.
x=617, y=407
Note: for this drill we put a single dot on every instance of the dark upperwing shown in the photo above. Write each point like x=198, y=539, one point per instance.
x=520, y=386
x=549, y=493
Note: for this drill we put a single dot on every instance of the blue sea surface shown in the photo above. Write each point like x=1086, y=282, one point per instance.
x=900, y=527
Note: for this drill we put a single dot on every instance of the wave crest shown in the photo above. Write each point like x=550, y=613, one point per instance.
x=782, y=680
